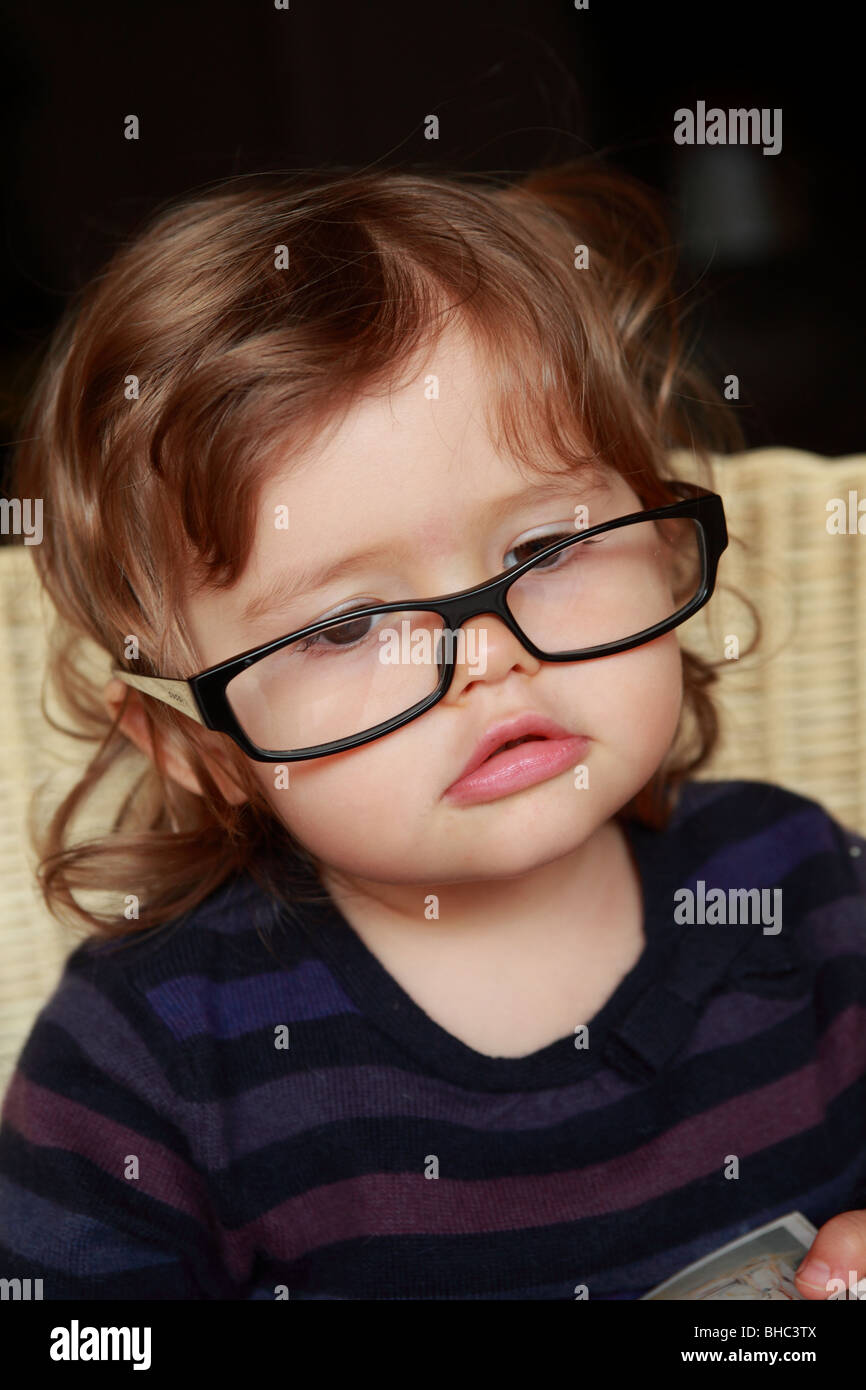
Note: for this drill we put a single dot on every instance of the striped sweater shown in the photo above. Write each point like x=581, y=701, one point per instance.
x=160, y=1140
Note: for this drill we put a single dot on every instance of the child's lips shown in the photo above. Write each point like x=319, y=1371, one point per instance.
x=512, y=769
x=526, y=725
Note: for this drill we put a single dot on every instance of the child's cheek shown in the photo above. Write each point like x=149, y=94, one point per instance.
x=637, y=708
x=353, y=796
x=631, y=697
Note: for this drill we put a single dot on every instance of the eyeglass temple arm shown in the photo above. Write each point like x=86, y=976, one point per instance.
x=171, y=692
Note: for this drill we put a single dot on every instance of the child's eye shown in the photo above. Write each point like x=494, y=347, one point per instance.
x=536, y=544
x=345, y=635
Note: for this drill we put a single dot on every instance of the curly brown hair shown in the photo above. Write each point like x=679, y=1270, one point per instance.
x=234, y=356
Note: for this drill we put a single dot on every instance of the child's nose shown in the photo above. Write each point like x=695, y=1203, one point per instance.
x=487, y=650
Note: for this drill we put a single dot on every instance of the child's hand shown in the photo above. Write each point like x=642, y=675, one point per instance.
x=838, y=1249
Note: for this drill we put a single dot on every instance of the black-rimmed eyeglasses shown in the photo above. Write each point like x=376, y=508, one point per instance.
x=351, y=678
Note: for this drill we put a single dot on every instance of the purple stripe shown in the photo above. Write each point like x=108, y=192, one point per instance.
x=837, y=930
x=193, y=1004
x=114, y=1048
x=33, y=1227
x=49, y=1120
x=770, y=854
x=733, y=1018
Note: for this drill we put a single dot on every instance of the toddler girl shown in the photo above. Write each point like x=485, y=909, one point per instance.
x=361, y=482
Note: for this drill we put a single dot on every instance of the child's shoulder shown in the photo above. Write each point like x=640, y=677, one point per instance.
x=232, y=917
x=177, y=970
x=740, y=808
x=117, y=962
x=751, y=832
x=145, y=1008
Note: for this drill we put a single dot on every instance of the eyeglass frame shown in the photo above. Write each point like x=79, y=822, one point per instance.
x=203, y=696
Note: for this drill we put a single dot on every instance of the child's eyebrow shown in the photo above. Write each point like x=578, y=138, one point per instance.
x=292, y=587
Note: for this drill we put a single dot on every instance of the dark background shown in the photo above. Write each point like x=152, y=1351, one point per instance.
x=772, y=246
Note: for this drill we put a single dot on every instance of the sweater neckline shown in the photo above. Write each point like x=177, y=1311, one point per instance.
x=661, y=862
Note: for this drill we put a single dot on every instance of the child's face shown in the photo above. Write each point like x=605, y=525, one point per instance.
x=418, y=476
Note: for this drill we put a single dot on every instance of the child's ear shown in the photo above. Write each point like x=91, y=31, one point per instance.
x=134, y=725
